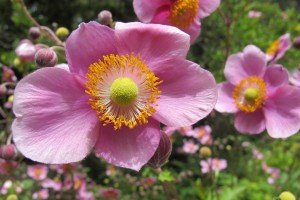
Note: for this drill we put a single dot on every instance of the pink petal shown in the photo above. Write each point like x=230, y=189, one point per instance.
x=207, y=7
x=285, y=44
x=252, y=62
x=154, y=42
x=145, y=9
x=87, y=44
x=225, y=102
x=188, y=93
x=276, y=76
x=54, y=122
x=193, y=30
x=282, y=112
x=252, y=123
x=129, y=148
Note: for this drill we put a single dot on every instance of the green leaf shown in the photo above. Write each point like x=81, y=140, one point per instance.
x=165, y=176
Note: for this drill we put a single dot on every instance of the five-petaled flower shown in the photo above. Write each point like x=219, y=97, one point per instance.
x=259, y=95
x=119, y=86
x=184, y=14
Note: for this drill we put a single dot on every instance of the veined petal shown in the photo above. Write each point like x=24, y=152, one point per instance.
x=250, y=122
x=54, y=122
x=207, y=7
x=226, y=102
x=87, y=44
x=188, y=93
x=129, y=148
x=275, y=76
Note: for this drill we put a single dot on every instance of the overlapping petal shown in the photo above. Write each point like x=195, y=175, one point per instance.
x=252, y=122
x=130, y=148
x=54, y=123
x=207, y=7
x=226, y=102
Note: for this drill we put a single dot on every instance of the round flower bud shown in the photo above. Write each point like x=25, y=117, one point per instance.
x=45, y=58
x=12, y=197
x=8, y=152
x=287, y=196
x=17, y=62
x=3, y=90
x=62, y=33
x=105, y=17
x=205, y=152
x=296, y=42
x=34, y=33
x=162, y=153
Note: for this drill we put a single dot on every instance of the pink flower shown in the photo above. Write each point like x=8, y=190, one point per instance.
x=110, y=193
x=257, y=154
x=254, y=14
x=42, y=194
x=259, y=95
x=272, y=171
x=120, y=85
x=26, y=50
x=278, y=48
x=7, y=166
x=203, y=134
x=111, y=171
x=55, y=184
x=190, y=147
x=184, y=14
x=213, y=164
x=182, y=130
x=37, y=172
x=294, y=77
x=8, y=75
x=148, y=182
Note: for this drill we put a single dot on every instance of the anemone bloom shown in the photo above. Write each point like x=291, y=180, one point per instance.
x=184, y=14
x=278, y=48
x=213, y=164
x=259, y=95
x=119, y=86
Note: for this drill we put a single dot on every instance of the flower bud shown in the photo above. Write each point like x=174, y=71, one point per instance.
x=296, y=42
x=105, y=17
x=26, y=50
x=34, y=33
x=12, y=197
x=8, y=152
x=205, y=152
x=3, y=90
x=62, y=33
x=287, y=196
x=162, y=153
x=45, y=58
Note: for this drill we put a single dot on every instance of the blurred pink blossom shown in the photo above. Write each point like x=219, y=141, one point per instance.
x=41, y=194
x=110, y=193
x=26, y=50
x=294, y=77
x=203, y=134
x=55, y=184
x=37, y=172
x=278, y=48
x=254, y=14
x=272, y=171
x=213, y=164
x=8, y=75
x=189, y=146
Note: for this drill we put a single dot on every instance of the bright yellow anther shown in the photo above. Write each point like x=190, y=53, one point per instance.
x=183, y=13
x=272, y=50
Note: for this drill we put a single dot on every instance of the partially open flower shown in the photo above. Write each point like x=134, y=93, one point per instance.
x=105, y=18
x=278, y=48
x=45, y=57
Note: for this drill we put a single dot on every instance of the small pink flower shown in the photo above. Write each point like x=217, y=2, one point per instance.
x=182, y=130
x=278, y=48
x=26, y=50
x=294, y=77
x=203, y=134
x=37, y=172
x=110, y=193
x=55, y=184
x=272, y=171
x=148, y=182
x=42, y=194
x=8, y=75
x=113, y=97
x=64, y=168
x=213, y=164
x=257, y=154
x=190, y=147
x=260, y=96
x=85, y=195
x=111, y=171
x=183, y=14
x=254, y=14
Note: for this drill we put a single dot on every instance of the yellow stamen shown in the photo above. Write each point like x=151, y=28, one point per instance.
x=123, y=90
x=250, y=94
x=272, y=50
x=183, y=12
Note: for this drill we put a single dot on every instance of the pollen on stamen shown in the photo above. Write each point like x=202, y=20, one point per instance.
x=183, y=13
x=250, y=94
x=106, y=83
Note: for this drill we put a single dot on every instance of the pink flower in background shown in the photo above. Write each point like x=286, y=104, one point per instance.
x=8, y=75
x=26, y=50
x=278, y=48
x=272, y=171
x=257, y=154
x=189, y=146
x=113, y=97
x=254, y=14
x=259, y=95
x=41, y=194
x=182, y=130
x=213, y=164
x=37, y=172
x=148, y=182
x=65, y=168
x=110, y=193
x=55, y=184
x=183, y=14
x=294, y=77
x=111, y=171
x=203, y=134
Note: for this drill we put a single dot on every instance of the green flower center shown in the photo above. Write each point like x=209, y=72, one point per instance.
x=251, y=94
x=123, y=91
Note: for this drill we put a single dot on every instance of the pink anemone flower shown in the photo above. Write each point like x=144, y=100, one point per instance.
x=37, y=172
x=254, y=14
x=184, y=14
x=260, y=96
x=278, y=48
x=119, y=86
x=294, y=77
x=213, y=164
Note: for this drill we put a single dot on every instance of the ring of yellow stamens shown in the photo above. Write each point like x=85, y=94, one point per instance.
x=123, y=90
x=250, y=94
x=183, y=12
x=272, y=50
